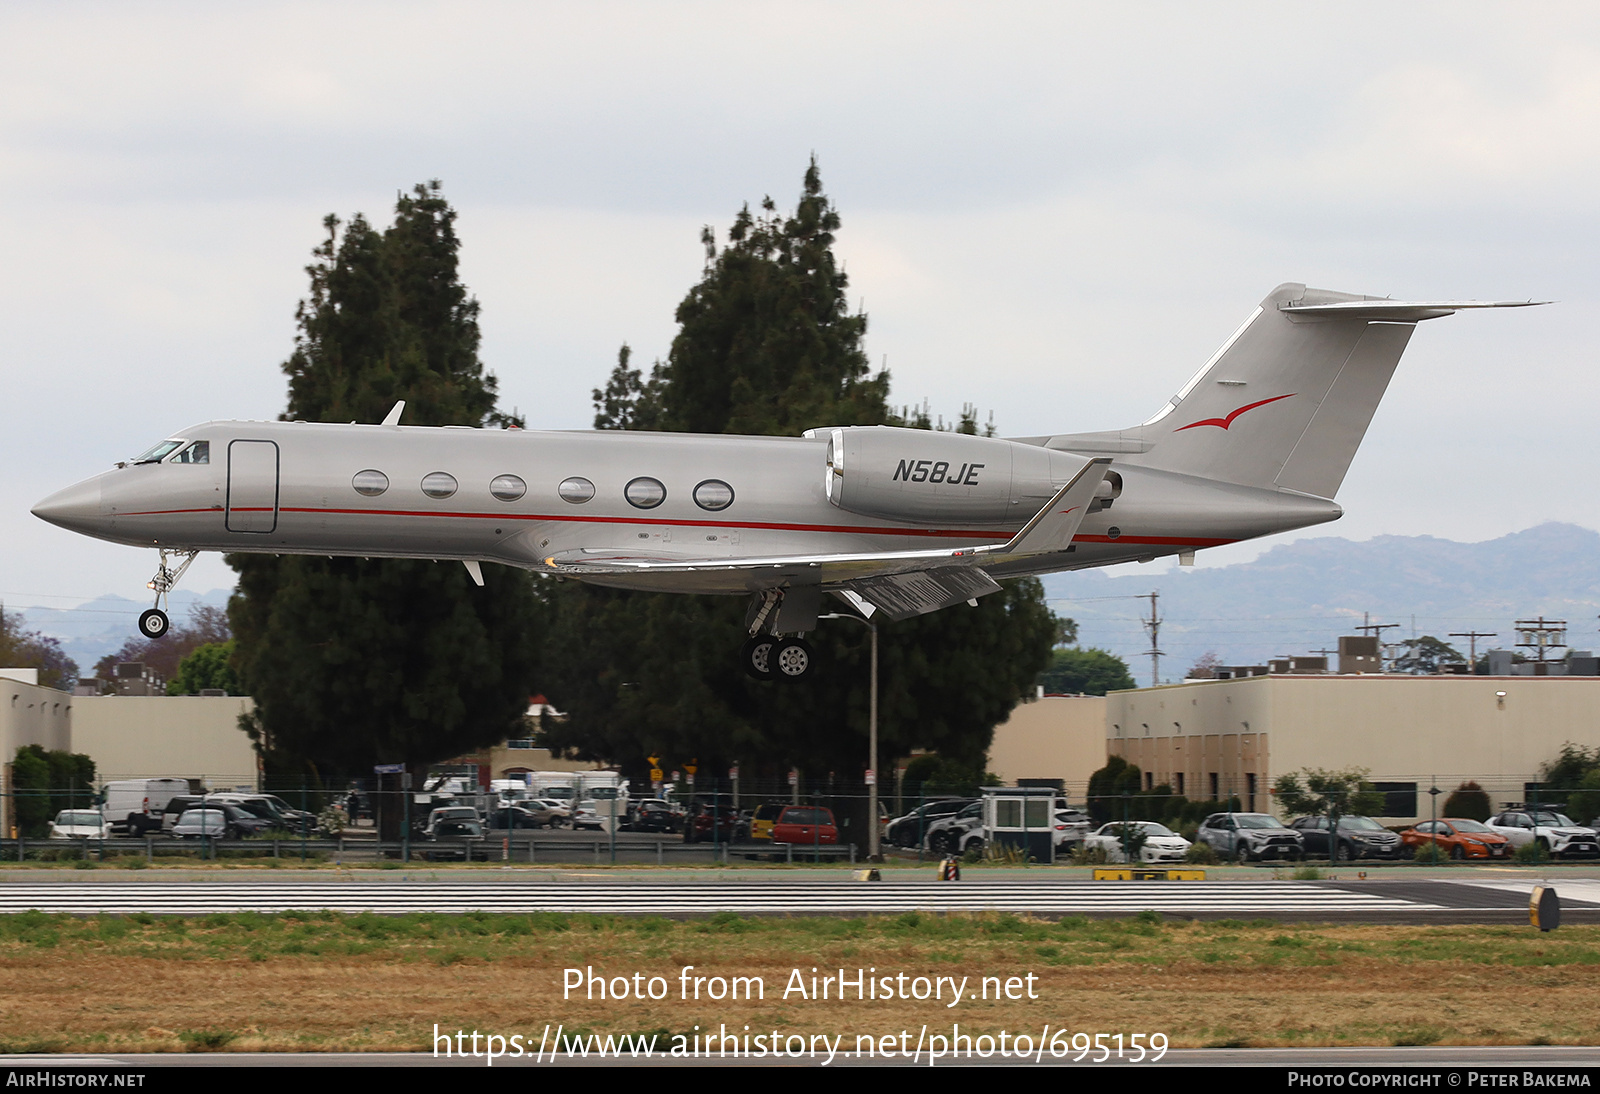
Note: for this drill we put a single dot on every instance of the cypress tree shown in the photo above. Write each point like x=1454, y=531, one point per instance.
x=767, y=345
x=357, y=662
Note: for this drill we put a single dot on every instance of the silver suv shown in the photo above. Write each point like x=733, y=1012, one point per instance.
x=1245, y=837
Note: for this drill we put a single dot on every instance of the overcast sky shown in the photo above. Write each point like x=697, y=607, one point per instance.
x=1055, y=211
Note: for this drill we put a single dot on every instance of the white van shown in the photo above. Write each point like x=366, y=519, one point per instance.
x=135, y=806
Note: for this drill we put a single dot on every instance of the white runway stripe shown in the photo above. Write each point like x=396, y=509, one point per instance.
x=745, y=899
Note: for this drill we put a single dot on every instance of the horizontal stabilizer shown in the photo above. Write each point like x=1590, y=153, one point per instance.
x=1400, y=311
x=901, y=596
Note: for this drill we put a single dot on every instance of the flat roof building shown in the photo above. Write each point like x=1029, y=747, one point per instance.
x=1212, y=739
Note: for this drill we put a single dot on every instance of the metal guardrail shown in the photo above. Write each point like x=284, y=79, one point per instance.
x=597, y=851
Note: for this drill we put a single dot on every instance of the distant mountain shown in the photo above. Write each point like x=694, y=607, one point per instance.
x=1301, y=596
x=92, y=630
x=1293, y=599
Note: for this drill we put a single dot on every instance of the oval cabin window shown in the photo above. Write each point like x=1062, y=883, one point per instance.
x=713, y=494
x=576, y=490
x=507, y=487
x=370, y=483
x=438, y=484
x=645, y=493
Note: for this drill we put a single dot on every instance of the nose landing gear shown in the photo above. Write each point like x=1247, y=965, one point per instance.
x=153, y=623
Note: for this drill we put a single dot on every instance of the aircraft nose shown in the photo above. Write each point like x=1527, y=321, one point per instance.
x=76, y=508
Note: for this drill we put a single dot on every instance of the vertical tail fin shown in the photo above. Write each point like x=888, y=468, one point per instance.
x=1286, y=401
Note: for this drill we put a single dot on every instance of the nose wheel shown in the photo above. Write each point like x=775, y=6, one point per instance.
x=154, y=622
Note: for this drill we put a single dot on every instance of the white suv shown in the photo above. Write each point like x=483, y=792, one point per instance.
x=1556, y=832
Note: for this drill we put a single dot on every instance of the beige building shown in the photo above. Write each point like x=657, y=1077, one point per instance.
x=32, y=715
x=1055, y=737
x=183, y=736
x=1215, y=738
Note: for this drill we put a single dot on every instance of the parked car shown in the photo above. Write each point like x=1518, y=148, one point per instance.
x=236, y=823
x=80, y=824
x=194, y=823
x=653, y=815
x=511, y=817
x=956, y=833
x=1245, y=837
x=709, y=822
x=1556, y=832
x=277, y=812
x=454, y=822
x=136, y=806
x=1359, y=837
x=1161, y=844
x=762, y=820
x=912, y=829
x=1459, y=838
x=805, y=824
x=1071, y=829
x=560, y=812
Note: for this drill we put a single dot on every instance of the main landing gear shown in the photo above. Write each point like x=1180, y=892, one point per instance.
x=154, y=623
x=768, y=656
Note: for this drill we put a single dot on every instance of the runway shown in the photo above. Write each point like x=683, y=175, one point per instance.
x=1423, y=900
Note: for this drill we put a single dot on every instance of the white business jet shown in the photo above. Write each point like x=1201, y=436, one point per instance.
x=895, y=522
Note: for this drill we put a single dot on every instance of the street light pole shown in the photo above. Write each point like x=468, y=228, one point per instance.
x=874, y=830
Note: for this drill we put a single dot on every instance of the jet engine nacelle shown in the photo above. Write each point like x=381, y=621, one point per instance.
x=929, y=477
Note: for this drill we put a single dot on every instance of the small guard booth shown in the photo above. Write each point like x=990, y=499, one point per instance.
x=1021, y=817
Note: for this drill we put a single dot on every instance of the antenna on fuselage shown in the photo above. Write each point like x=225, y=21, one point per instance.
x=393, y=417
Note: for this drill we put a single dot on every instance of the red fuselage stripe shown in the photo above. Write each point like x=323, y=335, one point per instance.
x=949, y=533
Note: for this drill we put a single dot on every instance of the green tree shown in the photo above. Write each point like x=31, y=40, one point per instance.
x=207, y=667
x=354, y=662
x=768, y=345
x=1066, y=630
x=1423, y=656
x=1469, y=800
x=1085, y=672
x=25, y=649
x=1109, y=785
x=1314, y=792
x=46, y=781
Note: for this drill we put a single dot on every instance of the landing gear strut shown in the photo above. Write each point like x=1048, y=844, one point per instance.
x=769, y=656
x=154, y=623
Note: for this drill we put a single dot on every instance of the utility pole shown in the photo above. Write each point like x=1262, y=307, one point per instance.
x=1153, y=625
x=1377, y=630
x=1542, y=634
x=1472, y=644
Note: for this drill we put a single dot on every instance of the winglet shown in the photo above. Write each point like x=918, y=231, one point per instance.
x=393, y=418
x=475, y=570
x=1053, y=527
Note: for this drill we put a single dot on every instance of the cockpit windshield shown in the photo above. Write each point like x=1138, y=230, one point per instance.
x=198, y=452
x=158, y=453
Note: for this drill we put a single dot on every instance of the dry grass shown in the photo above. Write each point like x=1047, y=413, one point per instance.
x=332, y=982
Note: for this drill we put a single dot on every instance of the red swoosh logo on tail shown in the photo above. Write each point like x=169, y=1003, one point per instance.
x=1224, y=423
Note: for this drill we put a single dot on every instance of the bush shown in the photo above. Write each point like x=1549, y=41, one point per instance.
x=1201, y=854
x=1531, y=853
x=1429, y=852
x=1468, y=800
x=1088, y=856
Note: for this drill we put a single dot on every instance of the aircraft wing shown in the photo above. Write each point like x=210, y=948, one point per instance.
x=899, y=583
